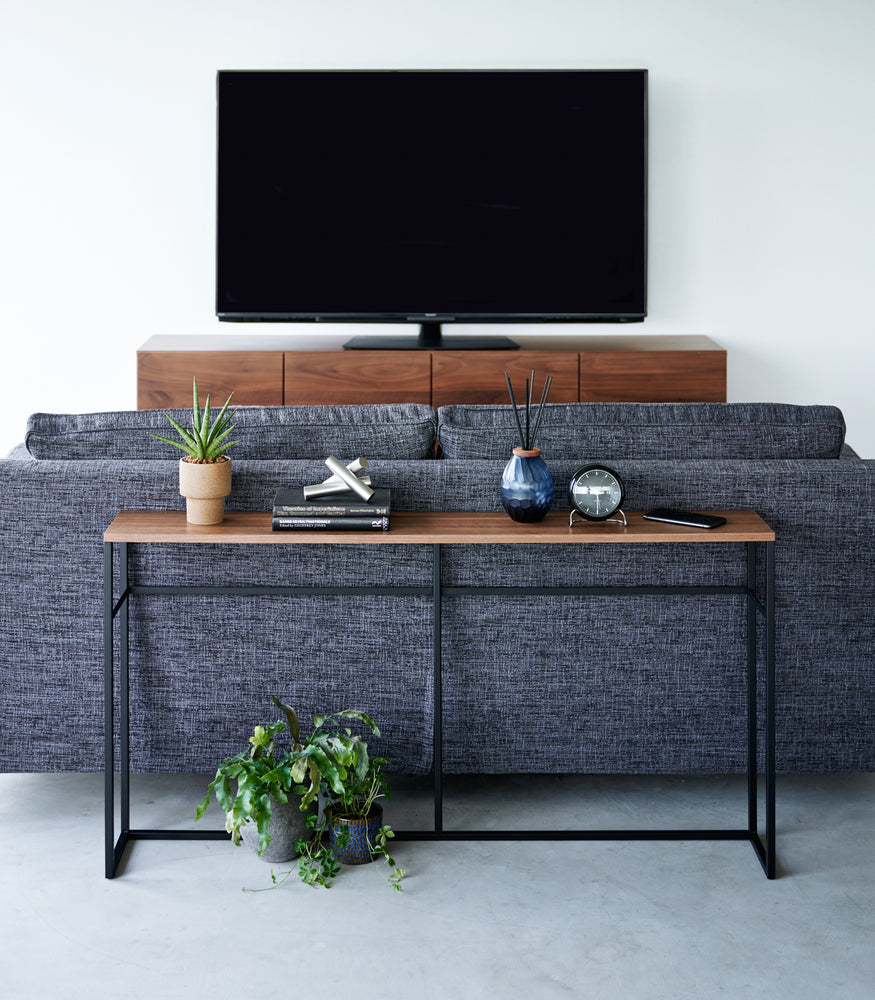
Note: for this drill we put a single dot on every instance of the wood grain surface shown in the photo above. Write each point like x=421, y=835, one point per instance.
x=430, y=527
x=478, y=376
x=164, y=378
x=337, y=377
x=591, y=368
x=644, y=376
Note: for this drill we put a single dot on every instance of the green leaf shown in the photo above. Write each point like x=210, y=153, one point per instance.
x=315, y=782
x=204, y=428
x=262, y=816
x=195, y=409
x=276, y=781
x=361, y=768
x=223, y=792
x=260, y=737
x=292, y=717
x=329, y=770
x=343, y=750
x=224, y=417
x=190, y=439
x=362, y=717
x=176, y=444
x=219, y=449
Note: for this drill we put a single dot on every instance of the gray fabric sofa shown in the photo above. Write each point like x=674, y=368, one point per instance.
x=537, y=684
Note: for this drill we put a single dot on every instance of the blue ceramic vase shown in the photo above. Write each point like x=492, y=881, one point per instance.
x=526, y=486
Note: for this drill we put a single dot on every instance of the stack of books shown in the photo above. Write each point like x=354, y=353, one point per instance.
x=341, y=512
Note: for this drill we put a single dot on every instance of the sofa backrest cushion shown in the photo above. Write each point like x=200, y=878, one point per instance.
x=384, y=431
x=607, y=431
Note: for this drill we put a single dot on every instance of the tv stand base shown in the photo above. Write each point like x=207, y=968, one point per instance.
x=460, y=342
x=431, y=339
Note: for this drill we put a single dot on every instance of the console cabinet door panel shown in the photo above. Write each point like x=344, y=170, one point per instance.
x=478, y=376
x=164, y=378
x=644, y=376
x=337, y=377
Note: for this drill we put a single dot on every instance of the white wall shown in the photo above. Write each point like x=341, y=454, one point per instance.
x=762, y=189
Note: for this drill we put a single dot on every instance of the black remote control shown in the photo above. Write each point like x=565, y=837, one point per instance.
x=686, y=517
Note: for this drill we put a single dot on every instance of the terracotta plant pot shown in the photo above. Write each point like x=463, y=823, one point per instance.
x=205, y=486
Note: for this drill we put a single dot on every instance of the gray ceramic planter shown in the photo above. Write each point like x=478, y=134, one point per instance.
x=287, y=826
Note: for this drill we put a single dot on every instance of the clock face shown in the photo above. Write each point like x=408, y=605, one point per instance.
x=596, y=491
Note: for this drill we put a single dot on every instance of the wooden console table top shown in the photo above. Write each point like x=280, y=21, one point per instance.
x=433, y=527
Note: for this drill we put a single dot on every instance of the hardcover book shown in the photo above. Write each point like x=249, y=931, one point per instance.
x=290, y=502
x=352, y=522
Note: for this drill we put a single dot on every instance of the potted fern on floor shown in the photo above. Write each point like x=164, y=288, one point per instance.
x=332, y=762
x=205, y=472
x=255, y=789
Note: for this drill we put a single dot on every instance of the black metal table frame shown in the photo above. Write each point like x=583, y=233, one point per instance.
x=765, y=850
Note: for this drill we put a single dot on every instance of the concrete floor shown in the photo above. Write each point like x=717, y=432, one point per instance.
x=594, y=920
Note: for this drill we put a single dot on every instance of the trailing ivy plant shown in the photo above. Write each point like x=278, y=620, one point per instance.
x=338, y=766
x=205, y=442
x=317, y=864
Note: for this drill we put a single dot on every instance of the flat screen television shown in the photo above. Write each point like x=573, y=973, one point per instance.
x=432, y=197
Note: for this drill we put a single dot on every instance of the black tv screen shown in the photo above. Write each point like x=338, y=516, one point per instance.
x=432, y=196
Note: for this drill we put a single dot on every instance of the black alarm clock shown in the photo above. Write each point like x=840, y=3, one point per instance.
x=596, y=492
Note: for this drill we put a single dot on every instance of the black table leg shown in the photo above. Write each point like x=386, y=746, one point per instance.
x=770, y=710
x=108, y=762
x=437, y=682
x=752, y=795
x=124, y=695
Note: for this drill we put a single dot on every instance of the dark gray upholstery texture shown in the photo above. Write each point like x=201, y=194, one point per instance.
x=402, y=430
x=611, y=431
x=534, y=684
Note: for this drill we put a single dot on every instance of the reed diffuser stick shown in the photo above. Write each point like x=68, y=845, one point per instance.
x=528, y=408
x=528, y=437
x=547, y=383
x=513, y=406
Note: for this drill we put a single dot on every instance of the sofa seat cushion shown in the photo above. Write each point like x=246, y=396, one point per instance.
x=616, y=431
x=379, y=431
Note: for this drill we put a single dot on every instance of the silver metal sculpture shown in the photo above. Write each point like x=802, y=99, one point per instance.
x=343, y=479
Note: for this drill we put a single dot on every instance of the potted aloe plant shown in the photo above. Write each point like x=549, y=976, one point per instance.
x=332, y=762
x=205, y=472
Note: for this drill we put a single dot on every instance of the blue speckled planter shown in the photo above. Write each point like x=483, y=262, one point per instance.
x=359, y=846
x=526, y=486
